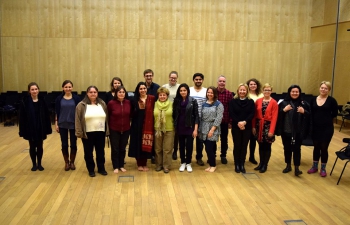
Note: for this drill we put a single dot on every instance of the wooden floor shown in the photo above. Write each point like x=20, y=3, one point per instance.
x=54, y=196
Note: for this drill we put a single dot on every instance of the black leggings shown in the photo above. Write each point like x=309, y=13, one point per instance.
x=36, y=151
x=321, y=151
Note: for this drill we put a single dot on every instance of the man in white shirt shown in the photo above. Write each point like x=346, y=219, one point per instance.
x=199, y=93
x=172, y=87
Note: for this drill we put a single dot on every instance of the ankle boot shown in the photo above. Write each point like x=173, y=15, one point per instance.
x=67, y=166
x=237, y=167
x=287, y=169
x=323, y=172
x=314, y=167
x=72, y=159
x=258, y=167
x=242, y=169
x=263, y=168
x=297, y=172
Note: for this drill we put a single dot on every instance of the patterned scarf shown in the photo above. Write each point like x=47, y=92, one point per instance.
x=161, y=121
x=148, y=130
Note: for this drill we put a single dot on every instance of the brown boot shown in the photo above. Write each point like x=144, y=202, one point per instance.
x=67, y=165
x=72, y=159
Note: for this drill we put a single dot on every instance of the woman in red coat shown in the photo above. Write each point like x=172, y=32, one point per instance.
x=264, y=124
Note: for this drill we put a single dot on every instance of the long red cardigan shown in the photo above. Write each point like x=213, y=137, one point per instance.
x=271, y=115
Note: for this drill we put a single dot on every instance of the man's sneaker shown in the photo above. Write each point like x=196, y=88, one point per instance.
x=323, y=173
x=182, y=167
x=189, y=168
x=223, y=160
x=200, y=162
x=312, y=170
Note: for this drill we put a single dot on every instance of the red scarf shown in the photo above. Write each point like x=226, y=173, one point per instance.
x=148, y=125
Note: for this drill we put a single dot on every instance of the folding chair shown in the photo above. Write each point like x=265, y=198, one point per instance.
x=342, y=154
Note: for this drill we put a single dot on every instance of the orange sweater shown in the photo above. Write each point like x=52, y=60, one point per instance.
x=271, y=115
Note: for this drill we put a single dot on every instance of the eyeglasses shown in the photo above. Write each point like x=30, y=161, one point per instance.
x=267, y=90
x=173, y=78
x=148, y=75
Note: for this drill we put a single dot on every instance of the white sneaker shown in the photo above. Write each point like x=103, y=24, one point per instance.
x=189, y=168
x=182, y=167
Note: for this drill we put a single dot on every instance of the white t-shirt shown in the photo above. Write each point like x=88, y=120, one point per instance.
x=95, y=118
x=200, y=96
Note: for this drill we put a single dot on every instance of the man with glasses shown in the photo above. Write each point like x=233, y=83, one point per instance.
x=199, y=93
x=224, y=96
x=172, y=87
x=151, y=86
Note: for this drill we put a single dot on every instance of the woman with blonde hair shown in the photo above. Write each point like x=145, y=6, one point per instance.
x=324, y=108
x=241, y=109
x=264, y=124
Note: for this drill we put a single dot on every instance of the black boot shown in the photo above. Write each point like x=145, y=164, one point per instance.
x=252, y=159
x=287, y=169
x=237, y=167
x=297, y=172
x=263, y=168
x=242, y=169
x=258, y=167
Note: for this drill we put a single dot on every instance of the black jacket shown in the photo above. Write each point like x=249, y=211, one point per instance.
x=191, y=117
x=27, y=118
x=303, y=122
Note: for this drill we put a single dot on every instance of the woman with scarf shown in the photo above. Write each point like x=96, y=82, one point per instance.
x=293, y=125
x=209, y=126
x=264, y=124
x=142, y=127
x=34, y=124
x=186, y=119
x=164, y=130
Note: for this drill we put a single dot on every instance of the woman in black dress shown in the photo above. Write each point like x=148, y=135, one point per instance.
x=324, y=108
x=34, y=124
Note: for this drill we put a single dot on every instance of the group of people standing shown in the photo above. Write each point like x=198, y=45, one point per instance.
x=157, y=120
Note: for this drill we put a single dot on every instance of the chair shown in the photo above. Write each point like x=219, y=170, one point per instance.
x=11, y=107
x=344, y=117
x=50, y=99
x=341, y=154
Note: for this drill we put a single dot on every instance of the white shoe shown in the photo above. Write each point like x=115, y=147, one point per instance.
x=182, y=167
x=189, y=168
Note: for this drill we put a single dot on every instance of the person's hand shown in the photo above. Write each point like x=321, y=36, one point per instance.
x=210, y=134
x=254, y=131
x=194, y=134
x=229, y=126
x=57, y=128
x=287, y=108
x=241, y=125
x=300, y=109
x=270, y=135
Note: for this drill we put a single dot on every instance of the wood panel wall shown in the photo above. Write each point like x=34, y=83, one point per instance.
x=323, y=34
x=91, y=41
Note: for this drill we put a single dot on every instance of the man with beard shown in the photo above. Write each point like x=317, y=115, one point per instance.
x=199, y=93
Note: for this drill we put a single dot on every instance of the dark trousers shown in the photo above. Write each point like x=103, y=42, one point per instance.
x=199, y=148
x=321, y=151
x=36, y=151
x=210, y=147
x=94, y=140
x=223, y=140
x=264, y=152
x=240, y=144
x=64, y=140
x=291, y=149
x=252, y=145
x=186, y=148
x=141, y=162
x=176, y=142
x=119, y=140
